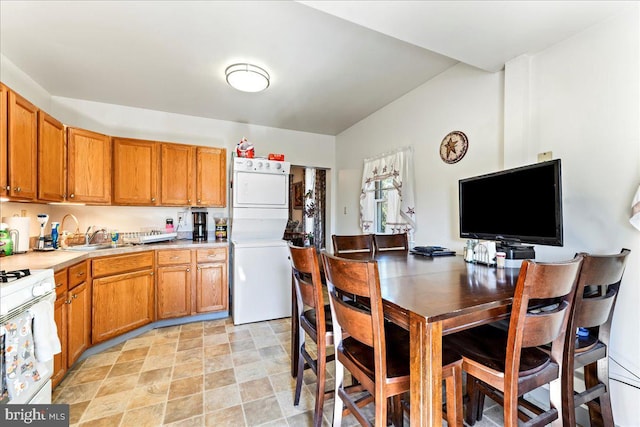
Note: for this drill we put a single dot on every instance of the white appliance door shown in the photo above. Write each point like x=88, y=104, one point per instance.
x=260, y=190
x=258, y=224
x=261, y=281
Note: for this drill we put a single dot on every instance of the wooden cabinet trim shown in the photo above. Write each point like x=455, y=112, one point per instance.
x=88, y=166
x=211, y=255
x=174, y=256
x=22, y=151
x=117, y=264
x=78, y=274
x=52, y=159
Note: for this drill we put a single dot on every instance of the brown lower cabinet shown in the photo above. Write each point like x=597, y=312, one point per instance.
x=191, y=282
x=123, y=294
x=102, y=298
x=72, y=314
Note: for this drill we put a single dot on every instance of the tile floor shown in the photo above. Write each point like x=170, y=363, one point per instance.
x=208, y=373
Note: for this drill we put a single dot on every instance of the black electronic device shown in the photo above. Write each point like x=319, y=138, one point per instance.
x=432, y=251
x=514, y=206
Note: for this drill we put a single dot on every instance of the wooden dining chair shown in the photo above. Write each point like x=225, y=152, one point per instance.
x=596, y=295
x=314, y=320
x=506, y=364
x=359, y=243
x=391, y=242
x=374, y=351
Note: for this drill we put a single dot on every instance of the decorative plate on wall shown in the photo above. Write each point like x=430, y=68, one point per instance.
x=453, y=147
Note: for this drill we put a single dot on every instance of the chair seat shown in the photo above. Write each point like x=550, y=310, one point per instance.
x=398, y=349
x=309, y=317
x=487, y=345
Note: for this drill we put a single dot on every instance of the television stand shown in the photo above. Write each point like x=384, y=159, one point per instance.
x=516, y=253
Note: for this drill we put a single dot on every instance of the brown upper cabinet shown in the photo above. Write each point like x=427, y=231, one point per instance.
x=177, y=177
x=89, y=167
x=135, y=172
x=4, y=120
x=21, y=142
x=52, y=160
x=211, y=169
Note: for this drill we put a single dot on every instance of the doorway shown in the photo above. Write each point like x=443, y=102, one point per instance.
x=307, y=207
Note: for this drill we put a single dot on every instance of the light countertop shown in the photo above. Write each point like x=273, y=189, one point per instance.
x=61, y=258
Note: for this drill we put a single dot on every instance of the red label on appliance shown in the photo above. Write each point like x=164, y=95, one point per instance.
x=279, y=157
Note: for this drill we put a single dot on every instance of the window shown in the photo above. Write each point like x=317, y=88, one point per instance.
x=386, y=198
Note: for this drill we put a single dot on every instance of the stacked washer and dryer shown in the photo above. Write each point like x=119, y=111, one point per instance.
x=260, y=265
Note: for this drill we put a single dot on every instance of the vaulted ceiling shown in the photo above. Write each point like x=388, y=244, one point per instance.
x=332, y=63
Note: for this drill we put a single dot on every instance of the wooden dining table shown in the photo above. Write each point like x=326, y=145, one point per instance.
x=433, y=297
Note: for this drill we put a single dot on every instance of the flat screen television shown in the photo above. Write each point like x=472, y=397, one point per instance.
x=521, y=205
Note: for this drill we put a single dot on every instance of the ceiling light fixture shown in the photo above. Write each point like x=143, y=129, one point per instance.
x=247, y=77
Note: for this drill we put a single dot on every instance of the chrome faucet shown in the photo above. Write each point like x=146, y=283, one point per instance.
x=88, y=237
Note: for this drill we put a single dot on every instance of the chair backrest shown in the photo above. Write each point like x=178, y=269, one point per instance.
x=391, y=242
x=552, y=285
x=352, y=244
x=596, y=295
x=357, y=279
x=308, y=283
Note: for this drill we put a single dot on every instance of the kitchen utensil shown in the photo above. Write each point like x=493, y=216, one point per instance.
x=42, y=219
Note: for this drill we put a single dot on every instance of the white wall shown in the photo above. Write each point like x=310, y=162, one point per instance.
x=462, y=98
x=580, y=100
x=585, y=107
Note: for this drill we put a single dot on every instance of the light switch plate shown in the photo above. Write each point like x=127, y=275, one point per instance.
x=543, y=157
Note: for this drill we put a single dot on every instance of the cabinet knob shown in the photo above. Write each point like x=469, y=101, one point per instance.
x=8, y=188
x=188, y=200
x=68, y=301
x=17, y=189
x=72, y=195
x=80, y=274
x=58, y=285
x=153, y=199
x=74, y=296
x=198, y=200
x=188, y=270
x=151, y=274
x=64, y=195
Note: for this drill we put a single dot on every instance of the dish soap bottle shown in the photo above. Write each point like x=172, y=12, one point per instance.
x=6, y=244
x=54, y=234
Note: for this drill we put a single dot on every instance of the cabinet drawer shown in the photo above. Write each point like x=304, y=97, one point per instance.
x=177, y=256
x=78, y=274
x=61, y=282
x=107, y=266
x=211, y=255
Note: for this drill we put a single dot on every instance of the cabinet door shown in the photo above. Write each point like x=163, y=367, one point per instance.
x=174, y=291
x=4, y=171
x=177, y=178
x=52, y=161
x=211, y=183
x=22, y=147
x=135, y=172
x=60, y=359
x=89, y=167
x=79, y=322
x=122, y=303
x=211, y=288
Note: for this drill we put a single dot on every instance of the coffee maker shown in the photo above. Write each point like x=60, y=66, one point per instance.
x=199, y=226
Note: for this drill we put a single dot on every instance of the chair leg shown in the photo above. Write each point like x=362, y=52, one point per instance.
x=300, y=374
x=397, y=415
x=337, y=400
x=320, y=386
x=453, y=383
x=474, y=395
x=599, y=415
x=568, y=400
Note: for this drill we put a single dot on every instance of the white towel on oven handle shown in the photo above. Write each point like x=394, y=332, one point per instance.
x=635, y=210
x=45, y=331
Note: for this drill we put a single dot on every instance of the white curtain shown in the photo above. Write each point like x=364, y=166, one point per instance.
x=401, y=215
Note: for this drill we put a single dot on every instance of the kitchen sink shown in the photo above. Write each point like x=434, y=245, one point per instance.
x=91, y=247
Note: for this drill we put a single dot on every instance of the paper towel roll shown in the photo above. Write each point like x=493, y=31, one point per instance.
x=22, y=225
